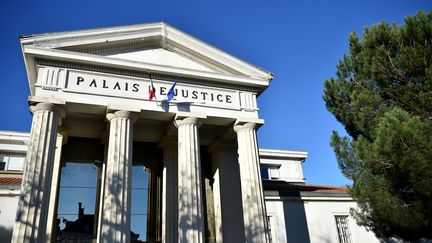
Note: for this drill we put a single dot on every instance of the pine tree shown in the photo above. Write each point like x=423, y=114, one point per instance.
x=382, y=94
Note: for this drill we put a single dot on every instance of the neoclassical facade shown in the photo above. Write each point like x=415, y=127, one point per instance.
x=143, y=133
x=90, y=100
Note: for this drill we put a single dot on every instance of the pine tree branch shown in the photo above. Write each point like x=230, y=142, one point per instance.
x=387, y=165
x=402, y=140
x=397, y=70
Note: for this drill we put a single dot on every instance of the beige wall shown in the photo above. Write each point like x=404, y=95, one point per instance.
x=8, y=207
x=312, y=220
x=320, y=216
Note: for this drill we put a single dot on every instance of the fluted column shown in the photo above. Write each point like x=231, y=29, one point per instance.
x=32, y=214
x=254, y=212
x=169, y=189
x=62, y=138
x=227, y=195
x=190, y=198
x=101, y=194
x=115, y=220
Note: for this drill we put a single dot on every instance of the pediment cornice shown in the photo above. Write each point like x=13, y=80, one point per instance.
x=92, y=46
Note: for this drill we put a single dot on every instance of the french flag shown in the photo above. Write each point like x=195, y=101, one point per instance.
x=152, y=90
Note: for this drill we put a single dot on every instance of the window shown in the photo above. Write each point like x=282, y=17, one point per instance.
x=343, y=228
x=12, y=162
x=270, y=172
x=16, y=162
x=146, y=193
x=79, y=190
x=77, y=202
x=81, y=187
x=141, y=178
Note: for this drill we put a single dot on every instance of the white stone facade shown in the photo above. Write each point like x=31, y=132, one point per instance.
x=100, y=81
x=90, y=102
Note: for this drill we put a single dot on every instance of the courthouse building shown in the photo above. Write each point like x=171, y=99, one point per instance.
x=143, y=133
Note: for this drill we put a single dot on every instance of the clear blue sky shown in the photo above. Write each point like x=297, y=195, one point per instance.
x=300, y=42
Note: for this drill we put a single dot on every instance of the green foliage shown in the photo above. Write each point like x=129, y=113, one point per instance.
x=382, y=94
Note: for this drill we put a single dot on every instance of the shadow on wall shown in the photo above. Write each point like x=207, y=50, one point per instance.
x=295, y=221
x=5, y=234
x=181, y=106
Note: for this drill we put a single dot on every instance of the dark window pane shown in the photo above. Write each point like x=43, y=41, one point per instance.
x=77, y=202
x=139, y=211
x=264, y=173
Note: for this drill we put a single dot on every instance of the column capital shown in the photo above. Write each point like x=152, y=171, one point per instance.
x=223, y=145
x=188, y=118
x=242, y=124
x=122, y=114
x=44, y=106
x=245, y=126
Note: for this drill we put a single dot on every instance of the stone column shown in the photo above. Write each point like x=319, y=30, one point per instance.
x=227, y=192
x=115, y=220
x=100, y=166
x=254, y=212
x=32, y=215
x=169, y=189
x=62, y=138
x=190, y=198
x=101, y=194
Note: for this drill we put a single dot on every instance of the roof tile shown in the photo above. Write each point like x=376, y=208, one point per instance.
x=10, y=181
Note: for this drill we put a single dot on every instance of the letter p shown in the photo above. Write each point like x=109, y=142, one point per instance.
x=79, y=80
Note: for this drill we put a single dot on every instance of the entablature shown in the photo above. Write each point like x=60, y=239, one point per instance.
x=105, y=87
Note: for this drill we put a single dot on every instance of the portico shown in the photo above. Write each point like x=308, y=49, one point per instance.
x=201, y=147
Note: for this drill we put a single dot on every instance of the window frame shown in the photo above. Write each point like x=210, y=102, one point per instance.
x=349, y=226
x=8, y=155
x=269, y=168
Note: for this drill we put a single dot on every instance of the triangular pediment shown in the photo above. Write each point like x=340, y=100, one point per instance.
x=157, y=47
x=160, y=56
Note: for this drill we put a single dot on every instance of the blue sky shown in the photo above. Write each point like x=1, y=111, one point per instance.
x=300, y=42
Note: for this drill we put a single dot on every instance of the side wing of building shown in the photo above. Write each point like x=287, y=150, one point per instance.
x=301, y=212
